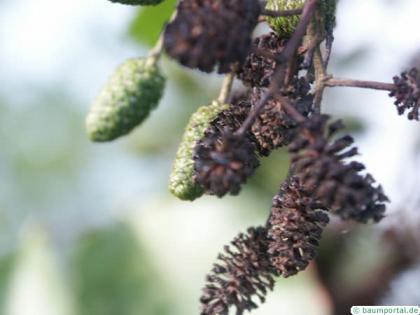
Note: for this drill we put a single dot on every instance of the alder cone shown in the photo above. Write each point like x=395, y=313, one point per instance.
x=257, y=70
x=407, y=93
x=182, y=182
x=243, y=272
x=223, y=162
x=318, y=161
x=211, y=33
x=273, y=127
x=295, y=228
x=284, y=26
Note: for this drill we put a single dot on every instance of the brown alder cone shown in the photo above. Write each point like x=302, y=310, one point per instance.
x=295, y=228
x=319, y=162
x=242, y=272
x=211, y=33
x=407, y=93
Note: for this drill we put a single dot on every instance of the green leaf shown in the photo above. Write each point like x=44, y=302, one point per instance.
x=147, y=25
x=112, y=275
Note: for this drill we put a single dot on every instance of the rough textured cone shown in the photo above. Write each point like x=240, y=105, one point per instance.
x=127, y=99
x=284, y=26
x=181, y=182
x=138, y=2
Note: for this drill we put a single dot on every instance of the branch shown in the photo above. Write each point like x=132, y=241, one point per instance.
x=333, y=82
x=285, y=13
x=226, y=87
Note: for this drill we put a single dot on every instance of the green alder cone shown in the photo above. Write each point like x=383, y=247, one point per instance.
x=181, y=182
x=284, y=26
x=329, y=8
x=138, y=2
x=131, y=93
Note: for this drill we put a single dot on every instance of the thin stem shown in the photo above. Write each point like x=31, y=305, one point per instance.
x=334, y=82
x=283, y=13
x=254, y=113
x=320, y=75
x=226, y=87
x=157, y=50
x=291, y=110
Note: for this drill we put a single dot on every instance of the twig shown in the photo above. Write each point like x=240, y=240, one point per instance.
x=291, y=110
x=254, y=113
x=226, y=87
x=335, y=82
x=320, y=75
x=285, y=13
x=157, y=50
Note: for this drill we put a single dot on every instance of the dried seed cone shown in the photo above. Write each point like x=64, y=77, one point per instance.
x=273, y=127
x=284, y=26
x=243, y=272
x=407, y=93
x=296, y=227
x=132, y=92
x=211, y=33
x=223, y=162
x=319, y=162
x=182, y=182
x=257, y=70
x=138, y=2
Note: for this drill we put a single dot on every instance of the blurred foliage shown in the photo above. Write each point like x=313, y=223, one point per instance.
x=146, y=27
x=6, y=266
x=112, y=275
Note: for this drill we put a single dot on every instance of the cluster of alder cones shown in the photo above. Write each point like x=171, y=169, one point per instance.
x=284, y=73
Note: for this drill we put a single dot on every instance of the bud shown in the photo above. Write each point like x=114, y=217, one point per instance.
x=284, y=26
x=182, y=180
x=126, y=101
x=138, y=2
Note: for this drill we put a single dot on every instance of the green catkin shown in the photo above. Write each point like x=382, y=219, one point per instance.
x=286, y=25
x=131, y=93
x=181, y=182
x=138, y=2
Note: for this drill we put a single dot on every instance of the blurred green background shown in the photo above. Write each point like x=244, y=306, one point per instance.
x=90, y=229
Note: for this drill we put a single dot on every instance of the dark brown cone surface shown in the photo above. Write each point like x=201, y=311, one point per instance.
x=407, y=93
x=319, y=163
x=257, y=70
x=207, y=33
x=242, y=273
x=273, y=128
x=296, y=227
x=223, y=162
